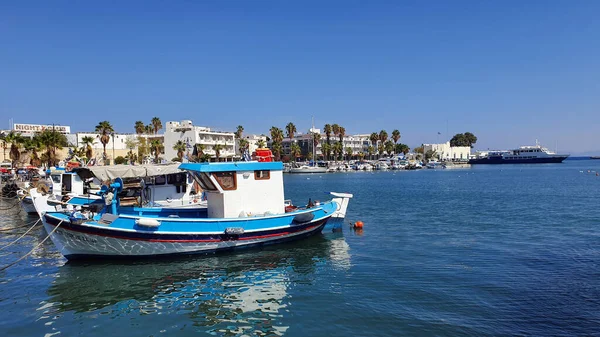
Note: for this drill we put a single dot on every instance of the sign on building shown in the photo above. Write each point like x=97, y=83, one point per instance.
x=32, y=128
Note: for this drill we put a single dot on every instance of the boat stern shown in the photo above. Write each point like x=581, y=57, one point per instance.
x=336, y=221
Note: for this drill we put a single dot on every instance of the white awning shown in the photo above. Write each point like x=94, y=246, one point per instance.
x=133, y=171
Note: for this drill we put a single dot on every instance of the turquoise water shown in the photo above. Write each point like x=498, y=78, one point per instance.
x=492, y=250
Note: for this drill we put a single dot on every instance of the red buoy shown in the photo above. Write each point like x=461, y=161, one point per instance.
x=358, y=224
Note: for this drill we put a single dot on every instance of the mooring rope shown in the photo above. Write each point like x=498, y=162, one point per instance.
x=20, y=237
x=17, y=227
x=34, y=248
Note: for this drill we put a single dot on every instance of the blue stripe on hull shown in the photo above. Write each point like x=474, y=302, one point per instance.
x=151, y=236
x=497, y=160
x=320, y=225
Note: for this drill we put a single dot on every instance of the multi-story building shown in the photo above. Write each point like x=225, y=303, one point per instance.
x=358, y=144
x=253, y=141
x=192, y=135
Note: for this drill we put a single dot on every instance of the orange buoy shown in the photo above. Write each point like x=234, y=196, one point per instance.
x=358, y=224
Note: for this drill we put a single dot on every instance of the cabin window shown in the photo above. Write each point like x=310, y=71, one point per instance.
x=262, y=175
x=176, y=178
x=204, y=181
x=226, y=180
x=160, y=180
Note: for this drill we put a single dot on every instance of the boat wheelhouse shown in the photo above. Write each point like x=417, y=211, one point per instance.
x=245, y=208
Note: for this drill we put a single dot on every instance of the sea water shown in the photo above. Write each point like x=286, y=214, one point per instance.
x=486, y=251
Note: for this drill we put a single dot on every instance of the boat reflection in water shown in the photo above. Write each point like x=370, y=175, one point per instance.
x=230, y=294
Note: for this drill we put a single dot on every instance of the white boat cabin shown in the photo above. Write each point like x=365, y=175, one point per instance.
x=67, y=183
x=240, y=189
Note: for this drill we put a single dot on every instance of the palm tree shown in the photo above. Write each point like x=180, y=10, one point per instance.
x=131, y=143
x=52, y=140
x=389, y=147
x=374, y=137
x=316, y=139
x=328, y=131
x=139, y=127
x=276, y=138
x=290, y=129
x=180, y=148
x=156, y=124
x=149, y=129
x=34, y=145
x=326, y=149
x=105, y=130
x=15, y=140
x=239, y=132
x=87, y=142
x=295, y=150
x=371, y=151
x=402, y=148
x=348, y=153
x=338, y=150
x=380, y=149
x=243, y=146
x=217, y=148
x=4, y=144
x=156, y=146
x=383, y=136
x=335, y=129
x=260, y=143
x=342, y=133
x=396, y=135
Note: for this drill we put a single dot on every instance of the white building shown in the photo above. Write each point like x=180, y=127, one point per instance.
x=252, y=143
x=191, y=135
x=446, y=152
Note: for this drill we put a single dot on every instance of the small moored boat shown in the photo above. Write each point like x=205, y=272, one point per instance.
x=245, y=208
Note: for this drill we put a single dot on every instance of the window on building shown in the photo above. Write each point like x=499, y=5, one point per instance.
x=226, y=180
x=262, y=175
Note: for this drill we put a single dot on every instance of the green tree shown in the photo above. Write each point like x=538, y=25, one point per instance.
x=180, y=148
x=105, y=130
x=290, y=130
x=338, y=150
x=389, y=147
x=396, y=135
x=383, y=136
x=348, y=153
x=217, y=148
x=316, y=138
x=326, y=150
x=87, y=142
x=295, y=150
x=33, y=145
x=140, y=128
x=243, y=146
x=15, y=140
x=371, y=151
x=239, y=132
x=260, y=144
x=401, y=148
x=131, y=143
x=341, y=133
x=276, y=139
x=374, y=138
x=466, y=139
x=156, y=146
x=52, y=140
x=156, y=124
x=327, y=129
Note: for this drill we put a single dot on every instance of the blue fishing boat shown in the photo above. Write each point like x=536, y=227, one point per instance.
x=245, y=208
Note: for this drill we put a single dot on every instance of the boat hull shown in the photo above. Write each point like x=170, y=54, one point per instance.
x=499, y=160
x=28, y=206
x=94, y=240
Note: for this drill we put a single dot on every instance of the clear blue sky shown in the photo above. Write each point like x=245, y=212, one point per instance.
x=508, y=71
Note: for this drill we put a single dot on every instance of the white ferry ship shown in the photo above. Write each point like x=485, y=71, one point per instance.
x=523, y=155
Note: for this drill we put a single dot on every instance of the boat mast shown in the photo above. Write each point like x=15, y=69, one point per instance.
x=312, y=133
